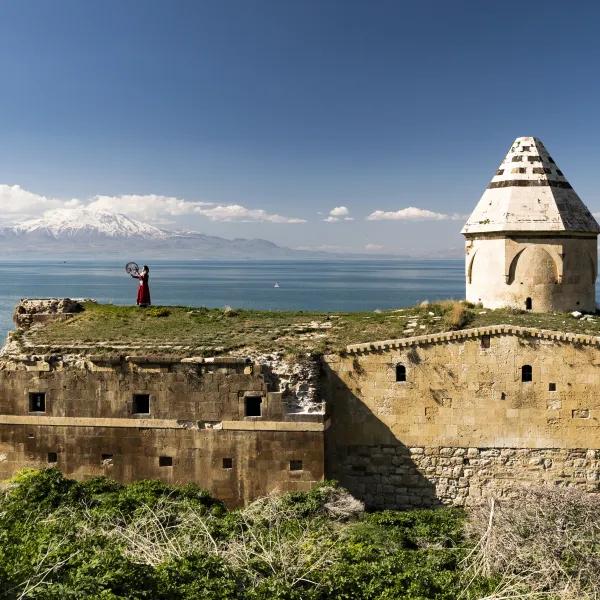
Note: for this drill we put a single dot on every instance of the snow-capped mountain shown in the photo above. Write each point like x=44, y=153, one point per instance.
x=86, y=233
x=84, y=222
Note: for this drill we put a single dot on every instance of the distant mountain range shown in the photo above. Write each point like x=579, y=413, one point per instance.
x=85, y=233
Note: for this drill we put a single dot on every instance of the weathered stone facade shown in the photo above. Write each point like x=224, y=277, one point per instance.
x=446, y=418
x=464, y=423
x=159, y=418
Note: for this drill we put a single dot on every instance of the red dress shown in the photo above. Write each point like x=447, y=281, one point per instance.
x=143, y=297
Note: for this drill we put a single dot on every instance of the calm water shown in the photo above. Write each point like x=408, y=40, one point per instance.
x=308, y=285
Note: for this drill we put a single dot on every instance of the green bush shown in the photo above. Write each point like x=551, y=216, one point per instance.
x=61, y=539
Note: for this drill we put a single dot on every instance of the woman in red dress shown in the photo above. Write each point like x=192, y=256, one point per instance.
x=143, y=297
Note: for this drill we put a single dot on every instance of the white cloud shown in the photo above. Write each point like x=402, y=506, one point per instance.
x=410, y=214
x=235, y=212
x=374, y=247
x=146, y=206
x=18, y=204
x=154, y=207
x=339, y=213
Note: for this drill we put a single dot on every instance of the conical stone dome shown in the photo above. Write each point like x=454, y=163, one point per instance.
x=530, y=193
x=531, y=243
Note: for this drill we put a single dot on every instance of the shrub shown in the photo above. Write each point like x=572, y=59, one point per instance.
x=62, y=539
x=457, y=316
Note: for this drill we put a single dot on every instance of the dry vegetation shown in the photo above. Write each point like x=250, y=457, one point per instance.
x=539, y=543
x=204, y=331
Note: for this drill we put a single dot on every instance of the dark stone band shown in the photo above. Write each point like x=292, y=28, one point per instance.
x=530, y=183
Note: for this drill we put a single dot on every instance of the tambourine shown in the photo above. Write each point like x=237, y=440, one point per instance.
x=132, y=268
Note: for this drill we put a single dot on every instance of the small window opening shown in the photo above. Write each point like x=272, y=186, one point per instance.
x=503, y=396
x=485, y=341
x=526, y=373
x=528, y=303
x=165, y=461
x=400, y=373
x=551, y=387
x=37, y=402
x=52, y=457
x=228, y=463
x=141, y=404
x=107, y=459
x=295, y=465
x=577, y=302
x=253, y=406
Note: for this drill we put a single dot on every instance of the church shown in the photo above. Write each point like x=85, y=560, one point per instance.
x=531, y=243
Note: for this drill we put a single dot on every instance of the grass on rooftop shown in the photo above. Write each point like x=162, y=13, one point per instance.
x=203, y=331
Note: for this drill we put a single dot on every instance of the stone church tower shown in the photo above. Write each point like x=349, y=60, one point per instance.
x=531, y=243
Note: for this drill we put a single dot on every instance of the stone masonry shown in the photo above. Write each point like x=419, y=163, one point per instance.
x=390, y=476
x=418, y=421
x=464, y=422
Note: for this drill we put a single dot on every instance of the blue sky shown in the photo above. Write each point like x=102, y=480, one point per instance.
x=291, y=109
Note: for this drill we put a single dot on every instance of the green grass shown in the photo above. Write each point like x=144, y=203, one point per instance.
x=203, y=331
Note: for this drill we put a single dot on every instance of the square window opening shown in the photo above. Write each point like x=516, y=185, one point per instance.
x=107, y=459
x=296, y=465
x=141, y=404
x=37, y=402
x=253, y=406
x=228, y=463
x=52, y=457
x=165, y=461
x=551, y=387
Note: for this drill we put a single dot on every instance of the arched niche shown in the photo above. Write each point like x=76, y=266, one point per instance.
x=533, y=265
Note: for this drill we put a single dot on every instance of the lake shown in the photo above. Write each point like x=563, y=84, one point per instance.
x=303, y=285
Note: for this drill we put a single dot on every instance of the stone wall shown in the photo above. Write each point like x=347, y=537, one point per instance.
x=194, y=429
x=463, y=423
x=394, y=476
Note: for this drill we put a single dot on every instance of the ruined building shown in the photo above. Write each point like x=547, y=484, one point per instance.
x=431, y=415
x=530, y=242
